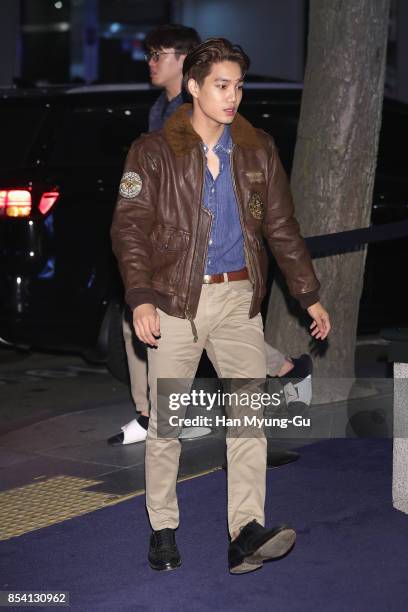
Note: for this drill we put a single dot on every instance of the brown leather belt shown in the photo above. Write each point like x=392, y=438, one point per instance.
x=230, y=276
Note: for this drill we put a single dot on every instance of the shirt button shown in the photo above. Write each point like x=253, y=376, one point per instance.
x=212, y=190
x=210, y=242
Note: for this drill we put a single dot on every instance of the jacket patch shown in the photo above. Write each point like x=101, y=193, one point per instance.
x=256, y=206
x=255, y=177
x=130, y=185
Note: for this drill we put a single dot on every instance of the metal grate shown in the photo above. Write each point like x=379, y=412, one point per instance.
x=55, y=500
x=51, y=501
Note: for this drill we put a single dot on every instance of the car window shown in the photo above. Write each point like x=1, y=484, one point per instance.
x=96, y=136
x=19, y=126
x=392, y=157
x=280, y=121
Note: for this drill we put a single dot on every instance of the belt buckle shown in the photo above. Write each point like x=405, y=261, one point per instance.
x=207, y=279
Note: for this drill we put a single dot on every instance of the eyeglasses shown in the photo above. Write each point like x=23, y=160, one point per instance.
x=155, y=55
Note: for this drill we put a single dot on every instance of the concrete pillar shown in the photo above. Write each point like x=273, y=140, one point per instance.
x=400, y=451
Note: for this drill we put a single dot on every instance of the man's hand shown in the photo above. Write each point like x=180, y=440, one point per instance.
x=146, y=322
x=321, y=322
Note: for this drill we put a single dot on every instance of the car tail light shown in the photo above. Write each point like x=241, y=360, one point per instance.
x=15, y=203
x=18, y=202
x=47, y=201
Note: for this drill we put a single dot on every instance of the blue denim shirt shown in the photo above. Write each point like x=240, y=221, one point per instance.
x=162, y=109
x=226, y=244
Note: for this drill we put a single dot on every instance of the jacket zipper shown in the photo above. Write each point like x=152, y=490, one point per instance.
x=187, y=312
x=189, y=315
x=244, y=234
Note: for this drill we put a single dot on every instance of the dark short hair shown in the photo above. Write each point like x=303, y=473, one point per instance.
x=199, y=61
x=172, y=36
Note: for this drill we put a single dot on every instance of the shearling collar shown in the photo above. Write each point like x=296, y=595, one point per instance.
x=181, y=136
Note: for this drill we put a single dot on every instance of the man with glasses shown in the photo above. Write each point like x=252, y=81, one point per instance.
x=166, y=47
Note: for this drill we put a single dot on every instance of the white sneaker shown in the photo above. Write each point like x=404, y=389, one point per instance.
x=297, y=384
x=133, y=432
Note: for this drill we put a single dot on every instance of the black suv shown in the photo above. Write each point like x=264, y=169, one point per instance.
x=61, y=160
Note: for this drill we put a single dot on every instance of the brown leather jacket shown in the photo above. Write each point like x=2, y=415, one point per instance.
x=160, y=228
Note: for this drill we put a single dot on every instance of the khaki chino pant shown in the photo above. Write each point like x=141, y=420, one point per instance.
x=137, y=364
x=235, y=345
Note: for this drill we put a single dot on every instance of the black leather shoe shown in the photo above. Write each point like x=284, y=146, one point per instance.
x=116, y=440
x=256, y=544
x=163, y=551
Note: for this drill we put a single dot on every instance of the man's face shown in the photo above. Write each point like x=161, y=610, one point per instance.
x=219, y=96
x=166, y=68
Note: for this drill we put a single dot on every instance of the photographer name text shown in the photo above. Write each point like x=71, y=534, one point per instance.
x=245, y=421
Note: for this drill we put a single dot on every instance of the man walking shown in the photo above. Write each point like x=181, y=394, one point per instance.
x=166, y=49
x=194, y=202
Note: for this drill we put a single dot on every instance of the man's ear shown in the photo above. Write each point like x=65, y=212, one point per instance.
x=193, y=88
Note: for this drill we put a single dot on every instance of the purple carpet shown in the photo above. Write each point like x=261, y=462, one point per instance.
x=351, y=552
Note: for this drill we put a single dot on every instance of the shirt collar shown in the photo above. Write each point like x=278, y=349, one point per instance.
x=161, y=100
x=177, y=100
x=224, y=143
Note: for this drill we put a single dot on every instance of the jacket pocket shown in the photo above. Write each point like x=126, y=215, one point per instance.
x=169, y=246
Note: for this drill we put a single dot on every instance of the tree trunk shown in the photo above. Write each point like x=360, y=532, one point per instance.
x=333, y=172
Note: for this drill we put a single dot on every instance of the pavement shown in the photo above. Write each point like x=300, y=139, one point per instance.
x=56, y=413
